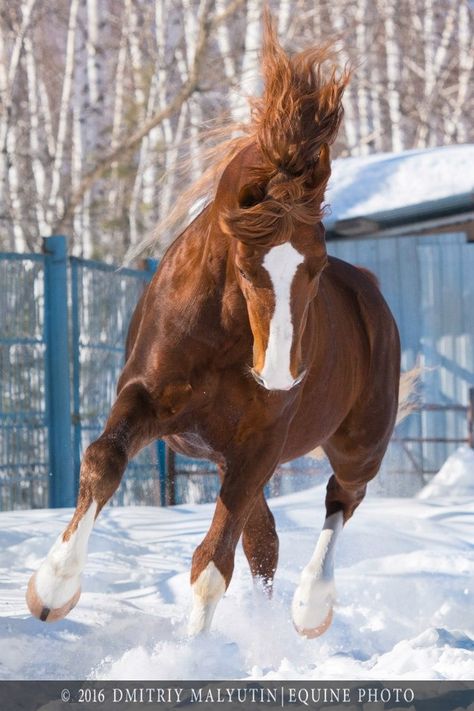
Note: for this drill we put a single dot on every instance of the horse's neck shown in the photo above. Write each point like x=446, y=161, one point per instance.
x=200, y=282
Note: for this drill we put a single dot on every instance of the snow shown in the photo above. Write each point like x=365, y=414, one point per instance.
x=404, y=575
x=386, y=181
x=454, y=479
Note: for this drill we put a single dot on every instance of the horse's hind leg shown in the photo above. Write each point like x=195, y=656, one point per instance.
x=260, y=543
x=55, y=589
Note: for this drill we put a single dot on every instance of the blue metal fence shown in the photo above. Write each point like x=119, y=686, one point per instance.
x=24, y=456
x=102, y=301
x=63, y=323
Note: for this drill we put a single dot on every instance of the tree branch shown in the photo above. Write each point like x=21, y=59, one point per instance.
x=129, y=144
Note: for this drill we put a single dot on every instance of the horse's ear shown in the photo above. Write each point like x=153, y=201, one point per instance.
x=251, y=195
x=322, y=169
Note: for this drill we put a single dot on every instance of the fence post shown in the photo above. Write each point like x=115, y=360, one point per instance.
x=150, y=266
x=62, y=489
x=471, y=417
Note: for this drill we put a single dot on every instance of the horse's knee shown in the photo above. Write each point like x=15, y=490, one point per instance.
x=102, y=468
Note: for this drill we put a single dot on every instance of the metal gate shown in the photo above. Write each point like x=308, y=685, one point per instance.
x=24, y=456
x=102, y=302
x=63, y=323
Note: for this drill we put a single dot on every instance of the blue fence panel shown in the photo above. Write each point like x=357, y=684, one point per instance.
x=102, y=301
x=24, y=455
x=447, y=341
x=428, y=284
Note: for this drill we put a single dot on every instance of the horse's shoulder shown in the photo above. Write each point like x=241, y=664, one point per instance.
x=362, y=288
x=355, y=278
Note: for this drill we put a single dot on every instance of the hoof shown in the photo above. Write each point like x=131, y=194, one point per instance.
x=42, y=611
x=312, y=633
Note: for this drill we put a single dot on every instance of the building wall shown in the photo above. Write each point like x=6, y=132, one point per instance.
x=428, y=282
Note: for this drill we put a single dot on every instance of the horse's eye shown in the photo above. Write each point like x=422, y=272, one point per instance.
x=244, y=274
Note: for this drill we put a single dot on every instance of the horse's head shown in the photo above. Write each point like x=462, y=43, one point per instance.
x=278, y=284
x=278, y=253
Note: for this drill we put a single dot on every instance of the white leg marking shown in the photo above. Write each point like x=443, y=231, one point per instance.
x=316, y=593
x=208, y=590
x=281, y=263
x=59, y=576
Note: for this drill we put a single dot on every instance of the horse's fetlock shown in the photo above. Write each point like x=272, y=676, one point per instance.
x=210, y=583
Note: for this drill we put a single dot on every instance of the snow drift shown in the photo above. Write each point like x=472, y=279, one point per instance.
x=404, y=572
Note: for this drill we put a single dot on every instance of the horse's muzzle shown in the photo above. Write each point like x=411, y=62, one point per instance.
x=279, y=386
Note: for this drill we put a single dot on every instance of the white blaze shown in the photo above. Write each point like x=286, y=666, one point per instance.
x=281, y=264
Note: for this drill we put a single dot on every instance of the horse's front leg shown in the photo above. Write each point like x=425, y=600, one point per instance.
x=315, y=595
x=55, y=588
x=246, y=473
x=260, y=542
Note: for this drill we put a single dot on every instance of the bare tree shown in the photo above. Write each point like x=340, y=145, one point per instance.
x=100, y=100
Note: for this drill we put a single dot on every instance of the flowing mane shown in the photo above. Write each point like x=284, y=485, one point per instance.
x=292, y=123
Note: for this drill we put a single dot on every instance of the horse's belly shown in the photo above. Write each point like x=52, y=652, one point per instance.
x=304, y=438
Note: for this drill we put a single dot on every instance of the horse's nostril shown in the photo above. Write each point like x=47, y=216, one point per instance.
x=258, y=378
x=300, y=377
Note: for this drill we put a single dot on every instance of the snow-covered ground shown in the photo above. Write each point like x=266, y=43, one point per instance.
x=405, y=573
x=386, y=181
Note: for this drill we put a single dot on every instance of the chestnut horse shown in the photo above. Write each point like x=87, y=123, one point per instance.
x=251, y=347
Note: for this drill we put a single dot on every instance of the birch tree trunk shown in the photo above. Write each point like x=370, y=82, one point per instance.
x=458, y=125
x=56, y=202
x=249, y=79
x=9, y=179
x=350, y=124
x=393, y=74
x=362, y=78
x=39, y=174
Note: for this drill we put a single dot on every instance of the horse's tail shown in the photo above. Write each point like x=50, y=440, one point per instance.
x=293, y=124
x=409, y=393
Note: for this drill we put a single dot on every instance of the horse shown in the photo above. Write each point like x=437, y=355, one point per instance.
x=250, y=347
